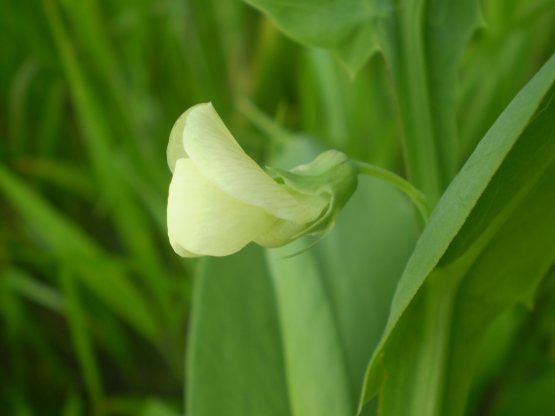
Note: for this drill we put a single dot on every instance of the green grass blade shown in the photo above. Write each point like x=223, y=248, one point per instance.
x=82, y=342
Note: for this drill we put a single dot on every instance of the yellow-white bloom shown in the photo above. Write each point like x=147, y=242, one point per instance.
x=220, y=199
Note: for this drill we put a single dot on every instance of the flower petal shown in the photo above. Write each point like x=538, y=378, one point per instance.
x=176, y=150
x=204, y=220
x=214, y=151
x=280, y=233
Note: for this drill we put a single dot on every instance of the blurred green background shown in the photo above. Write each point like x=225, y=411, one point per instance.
x=93, y=302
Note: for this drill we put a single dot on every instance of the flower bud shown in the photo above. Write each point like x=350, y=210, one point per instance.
x=220, y=199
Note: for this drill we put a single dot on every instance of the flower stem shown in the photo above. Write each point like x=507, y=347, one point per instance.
x=417, y=197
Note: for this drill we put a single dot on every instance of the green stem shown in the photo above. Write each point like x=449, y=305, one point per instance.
x=417, y=197
x=403, y=44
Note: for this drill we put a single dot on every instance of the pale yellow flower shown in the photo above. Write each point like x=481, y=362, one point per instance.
x=220, y=199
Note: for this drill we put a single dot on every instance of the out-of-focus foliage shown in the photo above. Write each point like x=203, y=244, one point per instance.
x=94, y=305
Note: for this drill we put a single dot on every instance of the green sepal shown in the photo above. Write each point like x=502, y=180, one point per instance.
x=330, y=174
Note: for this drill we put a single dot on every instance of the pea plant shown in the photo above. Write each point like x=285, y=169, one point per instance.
x=387, y=313
x=277, y=207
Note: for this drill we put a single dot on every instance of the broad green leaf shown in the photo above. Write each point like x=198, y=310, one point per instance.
x=346, y=27
x=333, y=300
x=318, y=314
x=316, y=369
x=487, y=245
x=235, y=364
x=360, y=261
